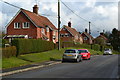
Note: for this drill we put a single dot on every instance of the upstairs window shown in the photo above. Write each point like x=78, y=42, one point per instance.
x=67, y=34
x=26, y=25
x=61, y=35
x=85, y=38
x=17, y=25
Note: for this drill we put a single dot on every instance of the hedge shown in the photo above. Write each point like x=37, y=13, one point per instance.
x=8, y=52
x=25, y=46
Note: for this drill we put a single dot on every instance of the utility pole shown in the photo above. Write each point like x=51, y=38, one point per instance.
x=58, y=24
x=89, y=28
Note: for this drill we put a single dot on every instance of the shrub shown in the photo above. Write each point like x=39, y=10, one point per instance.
x=8, y=52
x=4, y=41
x=25, y=46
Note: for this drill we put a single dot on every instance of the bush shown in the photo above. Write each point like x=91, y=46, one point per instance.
x=8, y=52
x=96, y=47
x=4, y=41
x=25, y=46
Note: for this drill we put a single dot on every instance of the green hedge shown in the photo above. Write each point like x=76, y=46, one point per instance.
x=4, y=41
x=8, y=52
x=25, y=46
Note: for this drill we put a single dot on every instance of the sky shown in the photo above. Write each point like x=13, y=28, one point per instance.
x=103, y=14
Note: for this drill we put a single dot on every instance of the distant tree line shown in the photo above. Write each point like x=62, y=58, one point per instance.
x=114, y=39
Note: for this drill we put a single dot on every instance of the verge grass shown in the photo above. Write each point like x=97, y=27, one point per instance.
x=37, y=57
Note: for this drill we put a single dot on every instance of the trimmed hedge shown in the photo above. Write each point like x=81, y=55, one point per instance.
x=25, y=46
x=8, y=52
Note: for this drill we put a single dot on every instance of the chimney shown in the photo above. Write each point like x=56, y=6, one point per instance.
x=35, y=9
x=86, y=30
x=69, y=24
x=101, y=33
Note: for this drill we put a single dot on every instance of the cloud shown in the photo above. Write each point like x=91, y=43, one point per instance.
x=102, y=14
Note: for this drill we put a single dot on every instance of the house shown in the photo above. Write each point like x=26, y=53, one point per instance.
x=87, y=38
x=26, y=24
x=101, y=39
x=69, y=34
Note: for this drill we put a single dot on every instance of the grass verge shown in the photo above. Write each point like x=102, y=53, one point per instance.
x=37, y=58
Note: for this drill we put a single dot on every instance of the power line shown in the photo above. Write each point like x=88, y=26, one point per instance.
x=10, y=4
x=74, y=12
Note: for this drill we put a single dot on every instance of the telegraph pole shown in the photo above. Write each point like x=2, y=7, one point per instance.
x=89, y=28
x=58, y=24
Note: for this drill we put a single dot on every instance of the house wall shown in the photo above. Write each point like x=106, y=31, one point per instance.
x=85, y=41
x=70, y=38
x=31, y=32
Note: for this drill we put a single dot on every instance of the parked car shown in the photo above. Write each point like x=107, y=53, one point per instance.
x=107, y=52
x=85, y=54
x=72, y=54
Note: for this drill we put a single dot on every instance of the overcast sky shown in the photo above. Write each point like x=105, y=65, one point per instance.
x=102, y=13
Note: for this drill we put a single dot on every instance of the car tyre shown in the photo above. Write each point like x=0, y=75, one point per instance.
x=78, y=60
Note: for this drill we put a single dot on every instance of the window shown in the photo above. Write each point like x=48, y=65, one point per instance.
x=43, y=31
x=62, y=35
x=47, y=29
x=66, y=34
x=70, y=51
x=26, y=25
x=17, y=25
x=85, y=38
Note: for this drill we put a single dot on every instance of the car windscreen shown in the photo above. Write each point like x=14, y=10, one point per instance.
x=107, y=49
x=70, y=51
x=83, y=51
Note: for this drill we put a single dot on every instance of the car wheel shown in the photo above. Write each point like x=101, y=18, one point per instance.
x=63, y=60
x=88, y=58
x=78, y=60
x=81, y=59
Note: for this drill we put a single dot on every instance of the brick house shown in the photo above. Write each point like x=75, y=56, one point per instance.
x=68, y=34
x=26, y=24
x=87, y=38
x=101, y=36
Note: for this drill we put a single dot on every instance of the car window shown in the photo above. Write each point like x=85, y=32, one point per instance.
x=70, y=51
x=83, y=51
x=107, y=49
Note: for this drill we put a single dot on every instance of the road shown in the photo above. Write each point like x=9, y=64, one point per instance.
x=98, y=67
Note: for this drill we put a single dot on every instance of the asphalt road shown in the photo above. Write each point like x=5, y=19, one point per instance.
x=98, y=67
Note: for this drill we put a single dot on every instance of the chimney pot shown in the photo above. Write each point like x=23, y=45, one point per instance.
x=35, y=9
x=86, y=30
x=69, y=24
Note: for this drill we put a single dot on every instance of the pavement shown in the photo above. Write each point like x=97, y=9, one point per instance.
x=24, y=68
x=98, y=67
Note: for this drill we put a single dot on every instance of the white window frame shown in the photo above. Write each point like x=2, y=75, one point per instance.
x=47, y=29
x=43, y=30
x=26, y=25
x=17, y=25
x=67, y=34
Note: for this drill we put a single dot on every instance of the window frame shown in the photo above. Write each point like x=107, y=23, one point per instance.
x=26, y=24
x=16, y=25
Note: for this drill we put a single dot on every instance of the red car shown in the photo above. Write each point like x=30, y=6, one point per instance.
x=85, y=54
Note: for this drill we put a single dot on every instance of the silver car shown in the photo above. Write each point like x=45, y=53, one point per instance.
x=72, y=54
x=107, y=51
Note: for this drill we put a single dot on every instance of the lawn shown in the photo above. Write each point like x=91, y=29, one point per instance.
x=37, y=58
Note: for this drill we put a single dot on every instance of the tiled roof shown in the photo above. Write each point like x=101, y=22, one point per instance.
x=38, y=19
x=88, y=35
x=71, y=30
x=102, y=37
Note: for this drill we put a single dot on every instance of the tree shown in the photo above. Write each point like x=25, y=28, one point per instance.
x=115, y=39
